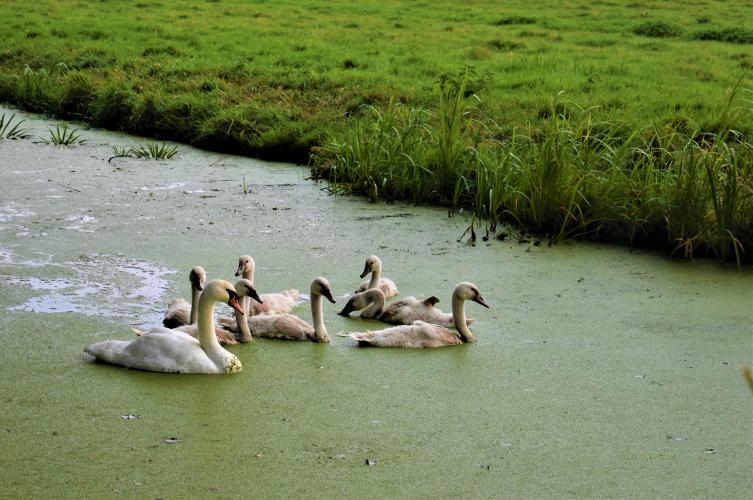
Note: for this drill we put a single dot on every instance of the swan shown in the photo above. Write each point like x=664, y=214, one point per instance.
x=273, y=303
x=179, y=312
x=165, y=350
x=374, y=266
x=401, y=312
x=288, y=326
x=422, y=334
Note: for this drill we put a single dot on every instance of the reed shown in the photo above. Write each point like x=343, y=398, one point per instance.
x=11, y=130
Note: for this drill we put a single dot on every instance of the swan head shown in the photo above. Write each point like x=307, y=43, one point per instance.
x=246, y=265
x=372, y=263
x=362, y=300
x=246, y=289
x=469, y=291
x=197, y=277
x=321, y=286
x=221, y=290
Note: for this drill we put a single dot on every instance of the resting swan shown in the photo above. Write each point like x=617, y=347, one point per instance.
x=421, y=334
x=288, y=326
x=401, y=312
x=374, y=266
x=165, y=350
x=273, y=303
x=179, y=312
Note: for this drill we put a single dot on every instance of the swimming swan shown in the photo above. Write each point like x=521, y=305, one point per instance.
x=422, y=334
x=179, y=312
x=273, y=303
x=165, y=350
x=401, y=312
x=374, y=266
x=288, y=326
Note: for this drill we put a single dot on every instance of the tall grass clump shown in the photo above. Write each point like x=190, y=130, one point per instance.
x=63, y=136
x=11, y=130
x=687, y=192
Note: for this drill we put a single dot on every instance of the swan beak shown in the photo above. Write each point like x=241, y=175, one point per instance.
x=233, y=302
x=347, y=309
x=239, y=271
x=254, y=295
x=480, y=300
x=366, y=270
x=328, y=293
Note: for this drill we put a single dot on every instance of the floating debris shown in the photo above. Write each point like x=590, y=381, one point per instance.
x=172, y=440
x=677, y=438
x=129, y=417
x=372, y=462
x=710, y=451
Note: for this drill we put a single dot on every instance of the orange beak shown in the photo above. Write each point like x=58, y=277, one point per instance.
x=233, y=302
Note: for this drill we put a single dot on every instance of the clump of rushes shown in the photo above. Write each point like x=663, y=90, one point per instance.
x=63, y=136
x=10, y=130
x=150, y=151
x=683, y=191
x=154, y=151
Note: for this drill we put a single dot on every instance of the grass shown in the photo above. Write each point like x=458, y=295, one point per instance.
x=690, y=194
x=63, y=136
x=148, y=151
x=602, y=121
x=10, y=130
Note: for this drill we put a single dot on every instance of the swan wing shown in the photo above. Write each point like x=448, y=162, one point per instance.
x=280, y=326
x=416, y=335
x=160, y=350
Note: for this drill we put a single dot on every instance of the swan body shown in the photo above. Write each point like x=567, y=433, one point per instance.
x=422, y=334
x=288, y=326
x=166, y=350
x=405, y=311
x=374, y=266
x=179, y=312
x=272, y=303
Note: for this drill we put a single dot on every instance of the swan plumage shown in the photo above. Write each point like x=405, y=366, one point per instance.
x=272, y=303
x=289, y=326
x=374, y=266
x=165, y=350
x=405, y=311
x=422, y=334
x=179, y=311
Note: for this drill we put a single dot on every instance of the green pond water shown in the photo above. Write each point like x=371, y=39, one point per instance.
x=597, y=372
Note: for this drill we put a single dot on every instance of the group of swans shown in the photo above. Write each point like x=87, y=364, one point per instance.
x=189, y=342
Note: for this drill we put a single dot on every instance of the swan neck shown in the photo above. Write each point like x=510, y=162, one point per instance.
x=458, y=316
x=316, y=313
x=195, y=294
x=207, y=338
x=242, y=322
x=376, y=274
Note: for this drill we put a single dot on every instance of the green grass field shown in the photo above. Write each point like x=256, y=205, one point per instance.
x=607, y=120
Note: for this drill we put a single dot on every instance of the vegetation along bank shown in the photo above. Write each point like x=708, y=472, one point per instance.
x=628, y=122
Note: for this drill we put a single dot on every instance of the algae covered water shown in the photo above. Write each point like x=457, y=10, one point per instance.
x=596, y=372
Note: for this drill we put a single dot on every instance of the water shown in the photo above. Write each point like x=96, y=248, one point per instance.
x=588, y=365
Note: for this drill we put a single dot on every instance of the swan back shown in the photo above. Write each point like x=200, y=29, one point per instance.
x=165, y=350
x=416, y=335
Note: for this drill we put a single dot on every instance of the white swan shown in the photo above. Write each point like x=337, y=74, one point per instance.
x=405, y=311
x=421, y=334
x=272, y=303
x=374, y=266
x=165, y=350
x=179, y=312
x=288, y=326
